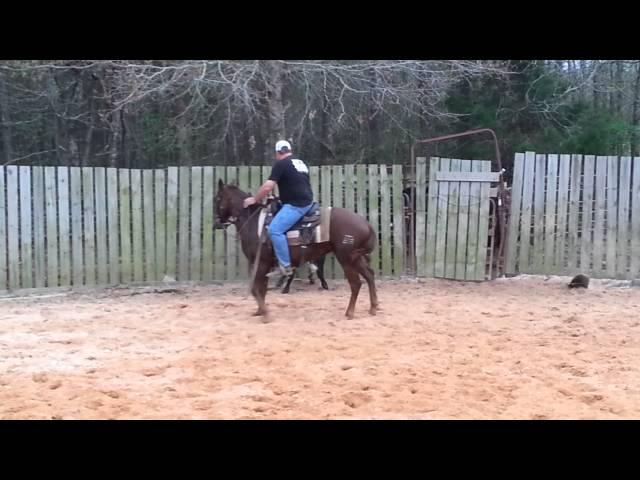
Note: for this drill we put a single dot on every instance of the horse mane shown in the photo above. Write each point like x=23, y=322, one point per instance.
x=235, y=188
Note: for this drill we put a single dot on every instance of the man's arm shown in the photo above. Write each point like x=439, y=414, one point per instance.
x=262, y=192
x=276, y=173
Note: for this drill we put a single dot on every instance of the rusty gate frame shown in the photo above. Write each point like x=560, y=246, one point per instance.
x=499, y=209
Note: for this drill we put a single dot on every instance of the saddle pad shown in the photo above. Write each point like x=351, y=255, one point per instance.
x=321, y=232
x=261, y=219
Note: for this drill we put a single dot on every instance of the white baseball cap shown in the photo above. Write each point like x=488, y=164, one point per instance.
x=282, y=144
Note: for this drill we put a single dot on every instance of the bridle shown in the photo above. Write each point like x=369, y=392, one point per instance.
x=232, y=220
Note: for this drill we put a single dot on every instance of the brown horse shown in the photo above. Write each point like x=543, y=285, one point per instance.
x=351, y=239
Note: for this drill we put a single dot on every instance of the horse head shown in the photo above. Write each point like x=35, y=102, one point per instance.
x=228, y=204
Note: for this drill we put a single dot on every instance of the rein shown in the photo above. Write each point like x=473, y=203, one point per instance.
x=260, y=237
x=256, y=262
x=258, y=210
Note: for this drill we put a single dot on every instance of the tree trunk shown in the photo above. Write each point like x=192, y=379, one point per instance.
x=612, y=88
x=374, y=139
x=5, y=120
x=274, y=84
x=58, y=130
x=596, y=86
x=89, y=136
x=619, y=86
x=324, y=131
x=124, y=154
x=116, y=132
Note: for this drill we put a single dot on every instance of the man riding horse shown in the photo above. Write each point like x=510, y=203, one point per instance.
x=292, y=177
x=349, y=236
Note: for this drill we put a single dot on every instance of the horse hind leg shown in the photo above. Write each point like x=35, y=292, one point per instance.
x=312, y=270
x=355, y=283
x=363, y=268
x=320, y=273
x=288, y=285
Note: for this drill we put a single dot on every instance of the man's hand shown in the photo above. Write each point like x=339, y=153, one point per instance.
x=249, y=201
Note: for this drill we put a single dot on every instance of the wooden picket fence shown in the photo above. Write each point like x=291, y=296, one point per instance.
x=84, y=226
x=575, y=214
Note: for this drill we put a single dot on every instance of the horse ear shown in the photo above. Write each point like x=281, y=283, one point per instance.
x=220, y=184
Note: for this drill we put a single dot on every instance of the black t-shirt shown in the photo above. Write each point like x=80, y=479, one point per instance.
x=292, y=176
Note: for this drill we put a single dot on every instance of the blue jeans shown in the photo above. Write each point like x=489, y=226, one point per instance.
x=281, y=223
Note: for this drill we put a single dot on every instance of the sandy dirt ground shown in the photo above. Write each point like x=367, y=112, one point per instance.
x=522, y=348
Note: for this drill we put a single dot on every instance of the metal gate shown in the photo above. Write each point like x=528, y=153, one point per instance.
x=458, y=227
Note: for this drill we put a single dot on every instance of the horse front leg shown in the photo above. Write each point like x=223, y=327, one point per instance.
x=259, y=289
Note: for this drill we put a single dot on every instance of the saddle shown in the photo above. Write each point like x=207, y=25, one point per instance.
x=313, y=227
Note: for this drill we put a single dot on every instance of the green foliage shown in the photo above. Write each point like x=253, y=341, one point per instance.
x=596, y=131
x=528, y=113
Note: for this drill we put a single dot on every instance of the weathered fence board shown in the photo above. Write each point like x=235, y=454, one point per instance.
x=573, y=250
x=26, y=223
x=184, y=192
x=463, y=223
x=622, y=250
x=137, y=247
x=432, y=224
x=550, y=213
x=172, y=206
x=101, y=213
x=611, y=232
x=13, y=227
x=208, y=194
x=39, y=250
x=441, y=220
x=112, y=226
x=563, y=206
x=77, y=247
x=374, y=212
x=148, y=214
x=64, y=227
x=538, y=215
x=3, y=233
x=160, y=220
x=385, y=222
x=635, y=220
x=420, y=217
x=195, y=228
x=512, y=248
x=398, y=220
x=591, y=227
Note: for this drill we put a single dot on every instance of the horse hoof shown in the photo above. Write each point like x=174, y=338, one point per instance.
x=349, y=315
x=372, y=312
x=259, y=313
